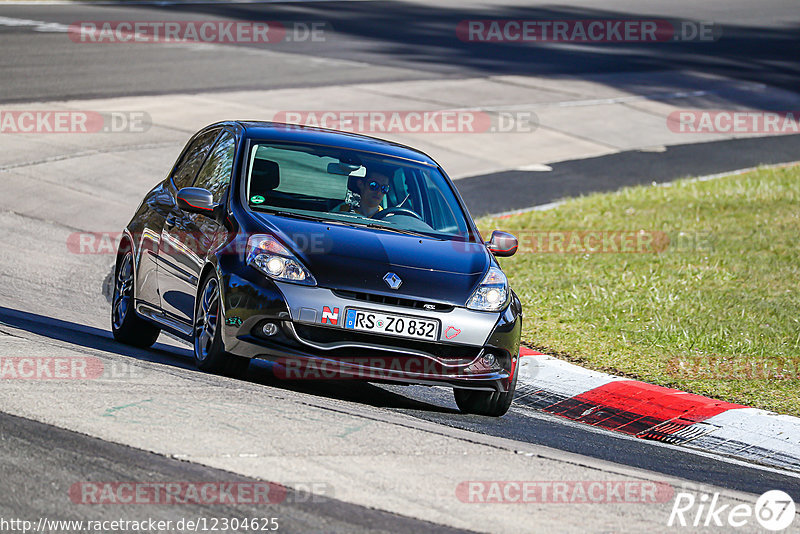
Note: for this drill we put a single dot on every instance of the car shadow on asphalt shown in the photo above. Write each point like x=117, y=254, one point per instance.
x=259, y=371
x=91, y=338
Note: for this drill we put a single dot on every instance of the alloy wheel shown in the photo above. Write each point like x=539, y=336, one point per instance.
x=205, y=326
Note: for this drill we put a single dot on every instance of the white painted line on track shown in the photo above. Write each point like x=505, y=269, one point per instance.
x=535, y=167
x=540, y=207
x=737, y=172
x=627, y=99
x=38, y=25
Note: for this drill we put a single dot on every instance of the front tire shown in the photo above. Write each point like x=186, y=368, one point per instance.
x=126, y=326
x=491, y=403
x=209, y=354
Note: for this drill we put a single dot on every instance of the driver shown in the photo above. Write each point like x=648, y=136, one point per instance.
x=372, y=189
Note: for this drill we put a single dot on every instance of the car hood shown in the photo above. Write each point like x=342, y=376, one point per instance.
x=357, y=259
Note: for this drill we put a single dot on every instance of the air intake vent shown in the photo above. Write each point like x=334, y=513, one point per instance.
x=453, y=354
x=394, y=301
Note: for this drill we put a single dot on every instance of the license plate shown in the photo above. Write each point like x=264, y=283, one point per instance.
x=391, y=324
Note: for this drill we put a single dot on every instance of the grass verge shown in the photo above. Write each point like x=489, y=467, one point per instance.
x=692, y=285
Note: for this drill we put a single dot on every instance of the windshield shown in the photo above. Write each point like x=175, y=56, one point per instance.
x=352, y=187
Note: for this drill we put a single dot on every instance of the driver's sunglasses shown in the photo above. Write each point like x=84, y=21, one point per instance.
x=375, y=186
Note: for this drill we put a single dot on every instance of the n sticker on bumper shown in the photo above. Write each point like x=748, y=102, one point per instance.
x=330, y=317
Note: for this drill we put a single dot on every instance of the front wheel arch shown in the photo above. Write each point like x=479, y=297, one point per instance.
x=218, y=360
x=207, y=271
x=125, y=246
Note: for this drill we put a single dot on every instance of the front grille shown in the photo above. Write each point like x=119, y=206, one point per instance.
x=451, y=354
x=394, y=301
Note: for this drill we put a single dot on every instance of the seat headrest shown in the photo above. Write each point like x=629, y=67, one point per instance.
x=265, y=176
x=351, y=181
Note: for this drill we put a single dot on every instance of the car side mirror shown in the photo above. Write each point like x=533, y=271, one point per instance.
x=502, y=244
x=196, y=200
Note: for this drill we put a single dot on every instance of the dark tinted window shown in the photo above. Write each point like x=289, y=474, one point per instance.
x=216, y=172
x=192, y=159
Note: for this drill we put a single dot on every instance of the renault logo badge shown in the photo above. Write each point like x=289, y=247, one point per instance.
x=392, y=280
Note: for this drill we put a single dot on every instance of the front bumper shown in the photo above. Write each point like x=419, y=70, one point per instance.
x=475, y=350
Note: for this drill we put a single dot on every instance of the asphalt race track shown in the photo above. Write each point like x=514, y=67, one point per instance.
x=609, y=173
x=385, y=41
x=376, y=457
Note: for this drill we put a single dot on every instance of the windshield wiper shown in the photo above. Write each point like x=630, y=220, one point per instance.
x=398, y=230
x=290, y=214
x=342, y=223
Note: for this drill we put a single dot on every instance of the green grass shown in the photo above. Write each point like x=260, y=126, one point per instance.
x=716, y=312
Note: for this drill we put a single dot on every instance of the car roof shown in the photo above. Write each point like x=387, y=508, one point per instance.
x=293, y=133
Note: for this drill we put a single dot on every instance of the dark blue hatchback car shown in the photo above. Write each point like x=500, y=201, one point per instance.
x=331, y=255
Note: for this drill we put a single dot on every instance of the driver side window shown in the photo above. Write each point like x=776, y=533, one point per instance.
x=405, y=191
x=216, y=172
x=193, y=157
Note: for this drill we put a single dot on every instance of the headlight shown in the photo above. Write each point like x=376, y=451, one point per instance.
x=492, y=294
x=266, y=254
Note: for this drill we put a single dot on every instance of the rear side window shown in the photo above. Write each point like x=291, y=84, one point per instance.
x=216, y=172
x=192, y=159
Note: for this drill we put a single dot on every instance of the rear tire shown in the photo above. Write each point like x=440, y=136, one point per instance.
x=126, y=326
x=491, y=403
x=209, y=355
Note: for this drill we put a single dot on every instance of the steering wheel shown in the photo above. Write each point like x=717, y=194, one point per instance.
x=382, y=214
